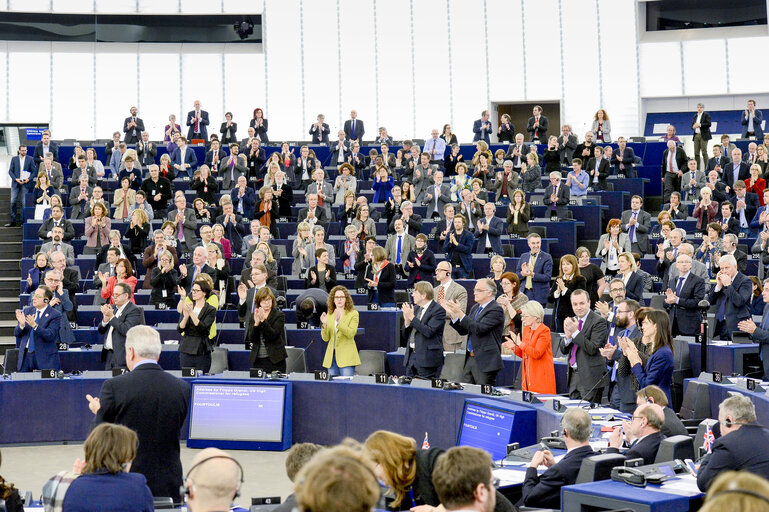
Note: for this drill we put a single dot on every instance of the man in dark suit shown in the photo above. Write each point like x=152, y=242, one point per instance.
x=701, y=126
x=673, y=167
x=745, y=206
x=482, y=128
x=585, y=333
x=567, y=143
x=56, y=220
x=422, y=332
x=353, y=127
x=730, y=241
x=642, y=433
x=544, y=491
x=146, y=150
x=682, y=300
x=637, y=223
x=215, y=156
x=153, y=404
x=760, y=333
x=340, y=151
x=313, y=214
x=37, y=333
x=731, y=295
x=622, y=325
x=586, y=149
x=116, y=321
x=190, y=271
x=45, y=146
x=483, y=326
x=197, y=120
x=186, y=224
x=158, y=190
x=411, y=221
x=489, y=232
x=557, y=196
x=458, y=248
x=736, y=170
x=622, y=158
x=743, y=445
x=537, y=126
x=729, y=223
x=20, y=173
x=234, y=229
x=133, y=126
x=751, y=122
x=536, y=270
x=184, y=159
x=718, y=161
x=517, y=152
x=652, y=394
x=320, y=131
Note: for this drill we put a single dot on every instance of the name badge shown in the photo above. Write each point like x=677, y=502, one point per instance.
x=321, y=374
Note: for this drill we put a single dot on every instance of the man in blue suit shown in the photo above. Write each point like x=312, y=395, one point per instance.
x=760, y=333
x=536, y=270
x=735, y=171
x=482, y=128
x=490, y=229
x=243, y=198
x=751, y=122
x=20, y=171
x=731, y=295
x=197, y=120
x=682, y=299
x=184, y=159
x=458, y=248
x=37, y=333
x=44, y=147
x=422, y=332
x=544, y=491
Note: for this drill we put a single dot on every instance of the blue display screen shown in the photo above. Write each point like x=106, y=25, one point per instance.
x=487, y=428
x=234, y=412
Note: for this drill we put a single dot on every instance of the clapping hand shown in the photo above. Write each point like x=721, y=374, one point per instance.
x=182, y=292
x=748, y=326
x=607, y=350
x=187, y=308
x=570, y=326
x=408, y=312
x=20, y=318
x=513, y=341
x=670, y=296
x=242, y=291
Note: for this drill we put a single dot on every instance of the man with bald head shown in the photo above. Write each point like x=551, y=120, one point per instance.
x=213, y=482
x=682, y=298
x=642, y=433
x=731, y=295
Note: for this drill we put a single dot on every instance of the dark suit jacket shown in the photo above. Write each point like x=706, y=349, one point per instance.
x=642, y=228
x=561, y=201
x=132, y=316
x=704, y=125
x=153, y=404
x=737, y=296
x=645, y=449
x=47, y=225
x=464, y=249
x=38, y=156
x=46, y=338
x=591, y=364
x=321, y=217
x=541, y=131
x=14, y=171
x=635, y=287
x=604, y=170
x=359, y=130
x=425, y=270
x=480, y=135
x=744, y=449
x=195, y=338
x=428, y=337
x=680, y=158
x=544, y=491
x=625, y=159
x=485, y=331
x=761, y=336
x=186, y=282
x=685, y=316
x=203, y=125
x=234, y=232
x=758, y=117
x=751, y=206
x=543, y=273
x=386, y=286
x=249, y=200
x=721, y=160
x=130, y=138
x=321, y=136
x=233, y=138
x=728, y=175
x=496, y=228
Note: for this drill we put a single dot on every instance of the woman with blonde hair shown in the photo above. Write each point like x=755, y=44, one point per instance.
x=338, y=328
x=737, y=491
x=534, y=347
x=634, y=283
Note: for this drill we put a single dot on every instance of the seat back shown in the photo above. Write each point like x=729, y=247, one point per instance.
x=675, y=447
x=682, y=369
x=598, y=467
x=11, y=361
x=657, y=302
x=555, y=343
x=371, y=362
x=696, y=402
x=453, y=367
x=699, y=437
x=219, y=360
x=296, y=361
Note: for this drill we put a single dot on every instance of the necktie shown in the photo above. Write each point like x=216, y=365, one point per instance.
x=529, y=280
x=353, y=128
x=631, y=231
x=680, y=285
x=670, y=160
x=442, y=293
x=181, y=233
x=197, y=123
x=31, y=342
x=573, y=357
x=722, y=309
x=469, y=340
x=398, y=255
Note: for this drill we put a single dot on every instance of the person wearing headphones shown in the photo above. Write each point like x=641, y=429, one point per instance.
x=737, y=491
x=213, y=482
x=652, y=394
x=743, y=445
x=642, y=432
x=37, y=333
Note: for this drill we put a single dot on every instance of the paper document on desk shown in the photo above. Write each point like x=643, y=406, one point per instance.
x=510, y=476
x=684, y=485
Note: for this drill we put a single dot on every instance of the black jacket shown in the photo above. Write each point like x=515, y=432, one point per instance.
x=195, y=338
x=544, y=491
x=746, y=448
x=160, y=282
x=273, y=330
x=645, y=449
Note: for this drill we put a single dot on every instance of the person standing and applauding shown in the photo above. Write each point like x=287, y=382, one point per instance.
x=534, y=348
x=195, y=325
x=338, y=328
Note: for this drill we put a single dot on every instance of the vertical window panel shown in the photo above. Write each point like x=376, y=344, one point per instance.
x=202, y=77
x=395, y=78
x=29, y=5
x=3, y=83
x=747, y=73
x=159, y=87
x=581, y=95
x=505, y=52
x=321, y=66
x=703, y=68
x=244, y=87
x=72, y=94
x=243, y=6
x=660, y=69
x=543, y=50
x=155, y=7
x=357, y=66
x=69, y=6
x=116, y=86
x=29, y=86
x=115, y=7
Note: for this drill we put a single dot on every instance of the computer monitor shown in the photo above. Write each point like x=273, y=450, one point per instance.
x=491, y=425
x=240, y=415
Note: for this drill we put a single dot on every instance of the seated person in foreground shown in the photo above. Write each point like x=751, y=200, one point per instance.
x=642, y=432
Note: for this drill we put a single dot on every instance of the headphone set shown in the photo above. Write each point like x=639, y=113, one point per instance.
x=185, y=491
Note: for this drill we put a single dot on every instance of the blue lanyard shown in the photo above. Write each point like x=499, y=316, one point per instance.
x=411, y=494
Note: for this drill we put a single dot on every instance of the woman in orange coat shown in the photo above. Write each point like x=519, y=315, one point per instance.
x=535, y=350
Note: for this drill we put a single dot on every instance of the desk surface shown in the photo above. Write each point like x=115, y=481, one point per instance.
x=610, y=495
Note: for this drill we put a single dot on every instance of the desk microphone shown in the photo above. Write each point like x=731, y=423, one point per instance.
x=589, y=404
x=299, y=354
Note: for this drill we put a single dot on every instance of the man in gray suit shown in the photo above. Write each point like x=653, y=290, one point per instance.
x=621, y=393
x=107, y=270
x=698, y=268
x=760, y=333
x=117, y=319
x=232, y=167
x=436, y=195
x=322, y=189
x=637, y=223
x=557, y=196
x=55, y=176
x=450, y=290
x=567, y=143
x=585, y=333
x=57, y=244
x=80, y=197
x=400, y=239
x=83, y=168
x=692, y=182
x=185, y=221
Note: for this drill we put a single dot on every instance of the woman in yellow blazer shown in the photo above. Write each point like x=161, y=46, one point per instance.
x=338, y=329
x=123, y=199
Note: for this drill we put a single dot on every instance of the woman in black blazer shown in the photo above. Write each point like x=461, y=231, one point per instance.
x=229, y=133
x=205, y=185
x=195, y=327
x=321, y=275
x=259, y=124
x=267, y=335
x=518, y=214
x=569, y=279
x=164, y=278
x=381, y=288
x=268, y=206
x=634, y=283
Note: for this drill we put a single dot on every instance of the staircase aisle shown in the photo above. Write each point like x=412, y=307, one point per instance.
x=10, y=268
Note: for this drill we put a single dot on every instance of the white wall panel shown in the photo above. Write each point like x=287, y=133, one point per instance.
x=468, y=42
x=321, y=67
x=747, y=73
x=431, y=67
x=618, y=53
x=703, y=71
x=283, y=107
x=357, y=64
x=73, y=6
x=505, y=51
x=395, y=78
x=243, y=6
x=116, y=86
x=660, y=69
x=543, y=50
x=30, y=82
x=162, y=7
x=581, y=96
x=29, y=5
x=3, y=83
x=200, y=6
x=245, y=89
x=202, y=80
x=159, y=87
x=72, y=95
x=120, y=6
